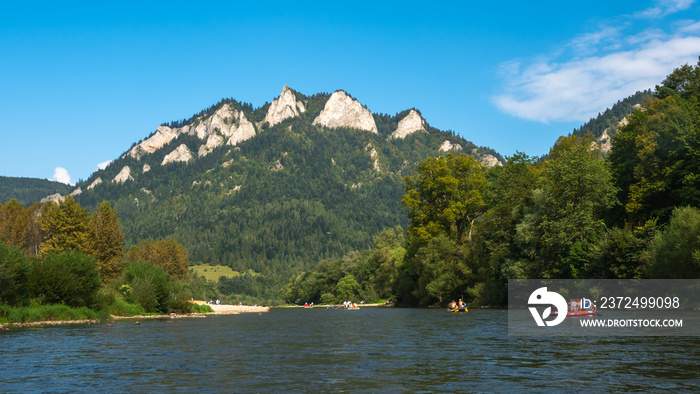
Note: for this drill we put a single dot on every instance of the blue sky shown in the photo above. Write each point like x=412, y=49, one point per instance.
x=80, y=82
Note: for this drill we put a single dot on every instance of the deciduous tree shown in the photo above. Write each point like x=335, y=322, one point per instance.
x=167, y=254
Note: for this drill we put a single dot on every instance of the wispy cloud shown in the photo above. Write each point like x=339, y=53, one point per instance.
x=665, y=7
x=602, y=67
x=60, y=174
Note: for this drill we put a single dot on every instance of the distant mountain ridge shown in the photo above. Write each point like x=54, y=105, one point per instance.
x=606, y=125
x=29, y=190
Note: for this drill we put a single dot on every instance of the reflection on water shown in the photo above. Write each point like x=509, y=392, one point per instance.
x=336, y=350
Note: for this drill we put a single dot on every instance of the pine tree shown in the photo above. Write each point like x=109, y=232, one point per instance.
x=14, y=222
x=65, y=225
x=105, y=241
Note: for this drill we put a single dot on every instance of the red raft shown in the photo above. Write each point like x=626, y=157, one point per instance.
x=581, y=313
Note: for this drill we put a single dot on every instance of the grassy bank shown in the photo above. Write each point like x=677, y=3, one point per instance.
x=56, y=313
x=35, y=313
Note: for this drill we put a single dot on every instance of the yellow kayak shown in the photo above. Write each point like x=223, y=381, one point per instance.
x=458, y=310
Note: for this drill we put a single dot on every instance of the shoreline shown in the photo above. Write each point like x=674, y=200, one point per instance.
x=335, y=306
x=218, y=310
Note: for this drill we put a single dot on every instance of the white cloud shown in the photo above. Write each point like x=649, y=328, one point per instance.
x=665, y=7
x=691, y=27
x=591, y=80
x=104, y=164
x=60, y=174
x=589, y=42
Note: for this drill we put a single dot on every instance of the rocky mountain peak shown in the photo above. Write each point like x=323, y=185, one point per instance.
x=343, y=111
x=284, y=107
x=410, y=124
x=161, y=137
x=227, y=121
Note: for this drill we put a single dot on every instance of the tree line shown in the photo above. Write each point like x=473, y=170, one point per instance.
x=61, y=254
x=572, y=215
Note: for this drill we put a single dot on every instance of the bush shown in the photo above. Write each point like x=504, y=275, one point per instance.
x=123, y=308
x=15, y=269
x=203, y=308
x=35, y=313
x=69, y=277
x=179, y=301
x=149, y=286
x=676, y=249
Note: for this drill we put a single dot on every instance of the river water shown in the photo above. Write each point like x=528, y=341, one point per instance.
x=312, y=350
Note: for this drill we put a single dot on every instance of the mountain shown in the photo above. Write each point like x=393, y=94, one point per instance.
x=274, y=189
x=29, y=190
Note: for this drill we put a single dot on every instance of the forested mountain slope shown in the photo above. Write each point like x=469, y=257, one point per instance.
x=29, y=190
x=606, y=125
x=273, y=189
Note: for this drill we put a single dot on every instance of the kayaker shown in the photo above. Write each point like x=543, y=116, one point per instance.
x=453, y=305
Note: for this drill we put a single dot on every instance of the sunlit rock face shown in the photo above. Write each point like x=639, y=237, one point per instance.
x=448, y=146
x=123, y=176
x=213, y=141
x=162, y=136
x=374, y=156
x=54, y=198
x=242, y=132
x=343, y=111
x=284, y=107
x=230, y=123
x=94, y=183
x=410, y=124
x=490, y=160
x=180, y=154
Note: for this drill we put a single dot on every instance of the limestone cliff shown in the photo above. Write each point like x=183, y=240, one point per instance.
x=375, y=157
x=162, y=136
x=410, y=124
x=54, y=198
x=284, y=107
x=490, y=161
x=214, y=140
x=448, y=146
x=123, y=176
x=95, y=183
x=229, y=122
x=343, y=111
x=180, y=154
x=244, y=131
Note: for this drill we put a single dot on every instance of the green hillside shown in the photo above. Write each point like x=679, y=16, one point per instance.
x=610, y=119
x=277, y=203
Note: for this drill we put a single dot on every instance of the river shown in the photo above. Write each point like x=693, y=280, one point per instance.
x=369, y=350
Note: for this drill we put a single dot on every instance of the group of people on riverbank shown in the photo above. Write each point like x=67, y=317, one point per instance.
x=349, y=305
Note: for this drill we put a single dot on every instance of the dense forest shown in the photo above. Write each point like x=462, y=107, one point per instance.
x=277, y=203
x=59, y=262
x=29, y=190
x=573, y=215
